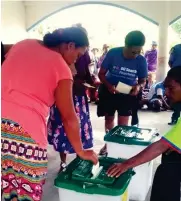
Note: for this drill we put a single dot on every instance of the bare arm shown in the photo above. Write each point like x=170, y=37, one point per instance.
x=102, y=77
x=142, y=82
x=64, y=102
x=164, y=102
x=160, y=95
x=136, y=89
x=148, y=154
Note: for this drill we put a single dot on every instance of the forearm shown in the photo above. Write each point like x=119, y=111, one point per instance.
x=72, y=130
x=102, y=78
x=165, y=103
x=65, y=105
x=142, y=82
x=148, y=154
x=163, y=100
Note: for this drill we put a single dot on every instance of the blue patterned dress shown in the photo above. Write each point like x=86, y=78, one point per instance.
x=56, y=133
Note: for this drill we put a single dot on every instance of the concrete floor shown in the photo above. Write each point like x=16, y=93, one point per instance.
x=147, y=119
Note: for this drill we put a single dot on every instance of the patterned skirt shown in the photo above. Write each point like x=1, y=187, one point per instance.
x=56, y=133
x=23, y=164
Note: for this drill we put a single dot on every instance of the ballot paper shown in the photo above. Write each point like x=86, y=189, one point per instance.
x=88, y=85
x=96, y=169
x=123, y=88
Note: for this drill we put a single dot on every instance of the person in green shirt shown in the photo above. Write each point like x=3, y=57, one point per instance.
x=168, y=176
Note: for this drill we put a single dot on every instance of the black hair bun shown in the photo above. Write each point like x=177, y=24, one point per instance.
x=66, y=35
x=51, y=40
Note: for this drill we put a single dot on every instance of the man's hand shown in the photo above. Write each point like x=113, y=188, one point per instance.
x=135, y=90
x=148, y=154
x=117, y=169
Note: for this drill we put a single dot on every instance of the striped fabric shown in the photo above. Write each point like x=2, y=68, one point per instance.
x=24, y=164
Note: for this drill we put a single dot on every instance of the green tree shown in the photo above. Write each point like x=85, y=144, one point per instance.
x=176, y=26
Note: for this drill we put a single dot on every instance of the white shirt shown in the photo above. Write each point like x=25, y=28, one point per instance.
x=154, y=91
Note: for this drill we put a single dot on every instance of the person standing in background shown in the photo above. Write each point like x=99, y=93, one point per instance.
x=93, y=64
x=174, y=61
x=105, y=50
x=151, y=57
x=95, y=52
x=92, y=92
x=122, y=65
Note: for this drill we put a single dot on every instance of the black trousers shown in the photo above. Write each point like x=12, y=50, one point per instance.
x=176, y=111
x=175, y=115
x=171, y=157
x=135, y=118
x=167, y=181
x=135, y=108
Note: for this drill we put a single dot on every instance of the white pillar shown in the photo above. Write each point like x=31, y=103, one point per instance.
x=13, y=21
x=163, y=51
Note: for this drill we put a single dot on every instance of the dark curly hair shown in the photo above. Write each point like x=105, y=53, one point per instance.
x=135, y=38
x=71, y=34
x=175, y=74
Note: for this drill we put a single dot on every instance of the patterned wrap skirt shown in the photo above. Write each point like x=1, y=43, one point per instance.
x=56, y=133
x=23, y=164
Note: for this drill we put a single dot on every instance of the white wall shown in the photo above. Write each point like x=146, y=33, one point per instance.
x=36, y=10
x=175, y=8
x=13, y=21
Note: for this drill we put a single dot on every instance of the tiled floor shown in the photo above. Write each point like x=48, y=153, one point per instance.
x=147, y=119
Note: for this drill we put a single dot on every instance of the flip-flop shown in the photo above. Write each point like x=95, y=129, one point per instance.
x=103, y=152
x=62, y=167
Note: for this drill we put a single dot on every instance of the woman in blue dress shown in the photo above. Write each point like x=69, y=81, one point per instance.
x=56, y=133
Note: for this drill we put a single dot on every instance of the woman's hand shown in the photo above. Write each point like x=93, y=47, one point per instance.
x=89, y=155
x=135, y=90
x=117, y=169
